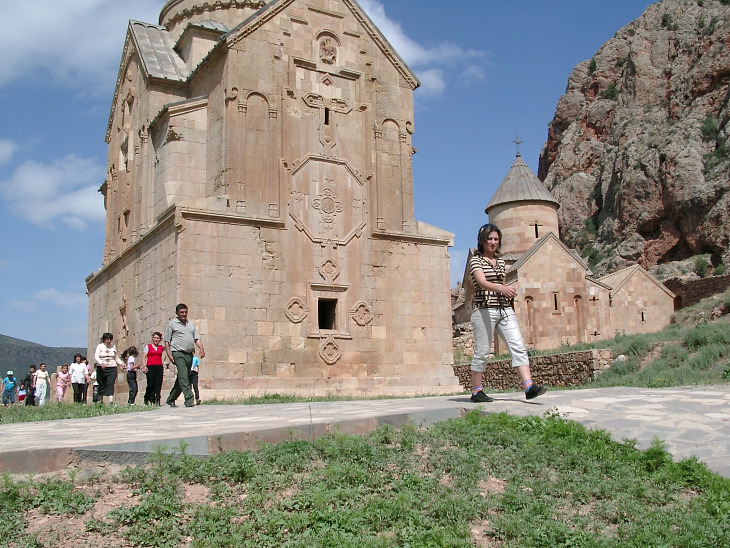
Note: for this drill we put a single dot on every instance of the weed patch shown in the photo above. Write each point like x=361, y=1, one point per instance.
x=478, y=480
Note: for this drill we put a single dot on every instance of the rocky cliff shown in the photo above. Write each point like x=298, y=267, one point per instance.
x=638, y=153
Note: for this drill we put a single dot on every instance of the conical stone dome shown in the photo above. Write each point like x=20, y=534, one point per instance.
x=520, y=185
x=523, y=208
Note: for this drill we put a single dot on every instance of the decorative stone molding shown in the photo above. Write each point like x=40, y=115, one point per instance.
x=362, y=314
x=329, y=351
x=328, y=204
x=329, y=270
x=296, y=310
x=199, y=9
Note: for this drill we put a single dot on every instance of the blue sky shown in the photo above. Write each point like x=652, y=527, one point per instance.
x=490, y=69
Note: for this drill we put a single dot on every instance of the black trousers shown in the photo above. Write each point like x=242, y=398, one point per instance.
x=193, y=378
x=79, y=389
x=133, y=389
x=152, y=394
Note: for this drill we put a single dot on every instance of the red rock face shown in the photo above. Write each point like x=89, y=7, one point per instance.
x=639, y=142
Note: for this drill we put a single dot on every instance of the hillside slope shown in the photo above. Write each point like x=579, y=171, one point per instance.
x=17, y=355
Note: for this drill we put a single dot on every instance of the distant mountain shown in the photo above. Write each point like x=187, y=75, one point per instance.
x=17, y=355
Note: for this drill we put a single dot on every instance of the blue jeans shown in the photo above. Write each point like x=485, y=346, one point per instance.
x=485, y=321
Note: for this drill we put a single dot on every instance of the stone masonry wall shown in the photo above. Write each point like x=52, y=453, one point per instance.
x=569, y=369
x=691, y=291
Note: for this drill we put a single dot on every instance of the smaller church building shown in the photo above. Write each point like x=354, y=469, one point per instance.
x=559, y=301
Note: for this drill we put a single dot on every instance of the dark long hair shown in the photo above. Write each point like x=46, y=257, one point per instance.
x=485, y=231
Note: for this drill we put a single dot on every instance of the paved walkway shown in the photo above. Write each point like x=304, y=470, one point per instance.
x=691, y=421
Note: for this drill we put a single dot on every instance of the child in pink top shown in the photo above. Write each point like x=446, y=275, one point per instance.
x=63, y=380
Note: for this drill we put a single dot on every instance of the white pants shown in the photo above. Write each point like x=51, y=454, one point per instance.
x=40, y=393
x=485, y=321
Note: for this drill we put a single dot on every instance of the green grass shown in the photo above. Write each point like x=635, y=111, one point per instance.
x=55, y=411
x=479, y=480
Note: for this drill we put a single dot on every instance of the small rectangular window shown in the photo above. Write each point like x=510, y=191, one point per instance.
x=327, y=314
x=555, y=303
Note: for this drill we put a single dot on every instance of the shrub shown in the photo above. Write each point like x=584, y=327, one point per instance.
x=717, y=156
x=592, y=255
x=706, y=335
x=590, y=226
x=701, y=266
x=709, y=129
x=611, y=92
x=668, y=23
x=719, y=270
x=593, y=66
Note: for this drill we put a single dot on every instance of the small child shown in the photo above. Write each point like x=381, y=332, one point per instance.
x=10, y=389
x=94, y=387
x=193, y=378
x=63, y=379
x=130, y=354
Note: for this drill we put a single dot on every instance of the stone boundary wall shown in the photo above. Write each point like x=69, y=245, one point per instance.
x=689, y=292
x=568, y=369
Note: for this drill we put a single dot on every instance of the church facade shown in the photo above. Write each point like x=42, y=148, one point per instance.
x=260, y=171
x=559, y=301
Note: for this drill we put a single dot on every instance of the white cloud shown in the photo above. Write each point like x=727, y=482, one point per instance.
x=7, y=148
x=63, y=300
x=423, y=60
x=54, y=297
x=79, y=42
x=473, y=73
x=69, y=41
x=65, y=190
x=432, y=81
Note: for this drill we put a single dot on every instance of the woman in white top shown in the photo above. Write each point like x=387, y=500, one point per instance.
x=79, y=378
x=41, y=381
x=107, y=359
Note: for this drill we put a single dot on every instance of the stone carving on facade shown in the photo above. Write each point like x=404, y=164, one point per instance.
x=329, y=205
x=329, y=351
x=296, y=310
x=327, y=51
x=329, y=270
x=362, y=314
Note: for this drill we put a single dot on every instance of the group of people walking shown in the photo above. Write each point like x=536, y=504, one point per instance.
x=180, y=341
x=35, y=388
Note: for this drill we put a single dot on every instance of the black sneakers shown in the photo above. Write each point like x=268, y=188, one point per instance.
x=480, y=397
x=535, y=391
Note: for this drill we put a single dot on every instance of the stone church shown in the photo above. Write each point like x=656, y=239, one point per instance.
x=260, y=171
x=559, y=300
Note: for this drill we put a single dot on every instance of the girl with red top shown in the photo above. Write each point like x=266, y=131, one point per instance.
x=152, y=368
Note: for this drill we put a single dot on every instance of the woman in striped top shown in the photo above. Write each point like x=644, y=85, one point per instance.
x=493, y=311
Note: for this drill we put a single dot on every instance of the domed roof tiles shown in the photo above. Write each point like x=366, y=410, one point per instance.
x=520, y=185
